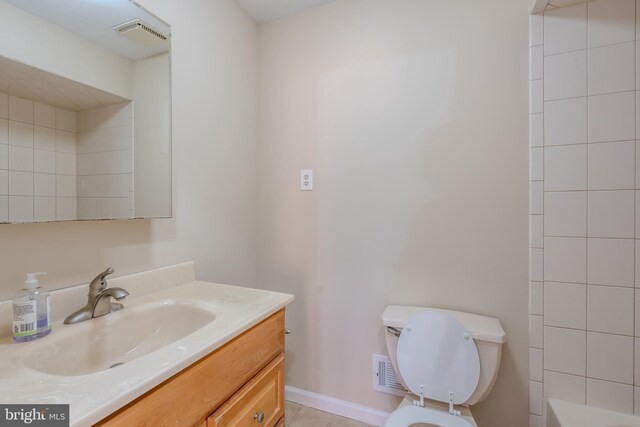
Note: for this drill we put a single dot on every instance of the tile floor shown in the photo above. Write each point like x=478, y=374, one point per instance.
x=302, y=416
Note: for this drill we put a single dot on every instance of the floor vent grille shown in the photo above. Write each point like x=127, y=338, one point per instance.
x=384, y=378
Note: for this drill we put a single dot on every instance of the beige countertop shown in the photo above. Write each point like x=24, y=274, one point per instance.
x=96, y=395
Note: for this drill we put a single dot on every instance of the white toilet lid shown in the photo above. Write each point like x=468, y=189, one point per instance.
x=436, y=352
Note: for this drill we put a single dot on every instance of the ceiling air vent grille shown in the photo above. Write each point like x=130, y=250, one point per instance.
x=141, y=32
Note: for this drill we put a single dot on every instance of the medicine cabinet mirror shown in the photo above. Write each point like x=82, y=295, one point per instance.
x=85, y=111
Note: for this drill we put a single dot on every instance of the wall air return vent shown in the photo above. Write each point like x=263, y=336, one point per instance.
x=142, y=33
x=384, y=378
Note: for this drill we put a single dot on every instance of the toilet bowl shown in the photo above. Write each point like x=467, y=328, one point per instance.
x=432, y=414
x=448, y=360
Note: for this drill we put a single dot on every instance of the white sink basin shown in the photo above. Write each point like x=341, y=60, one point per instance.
x=169, y=322
x=117, y=338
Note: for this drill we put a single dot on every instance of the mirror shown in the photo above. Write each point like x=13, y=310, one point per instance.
x=85, y=111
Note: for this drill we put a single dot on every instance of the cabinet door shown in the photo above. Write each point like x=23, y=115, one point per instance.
x=259, y=403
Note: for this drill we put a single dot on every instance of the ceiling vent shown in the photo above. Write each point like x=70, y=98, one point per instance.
x=142, y=33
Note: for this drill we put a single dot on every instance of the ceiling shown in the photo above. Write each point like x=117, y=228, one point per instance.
x=268, y=10
x=95, y=19
x=23, y=81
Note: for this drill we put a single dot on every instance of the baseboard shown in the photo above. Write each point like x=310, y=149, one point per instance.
x=336, y=406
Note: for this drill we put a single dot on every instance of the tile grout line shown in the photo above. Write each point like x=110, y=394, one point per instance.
x=544, y=143
x=593, y=95
x=635, y=208
x=589, y=144
x=587, y=377
x=587, y=49
x=587, y=95
x=586, y=311
x=588, y=331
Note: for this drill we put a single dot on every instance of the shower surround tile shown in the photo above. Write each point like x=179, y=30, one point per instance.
x=585, y=316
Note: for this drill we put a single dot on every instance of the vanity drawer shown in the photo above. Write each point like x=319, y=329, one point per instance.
x=259, y=403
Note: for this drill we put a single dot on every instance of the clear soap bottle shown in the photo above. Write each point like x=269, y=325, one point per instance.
x=31, y=311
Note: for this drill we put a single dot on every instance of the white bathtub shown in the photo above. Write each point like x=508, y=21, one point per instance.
x=567, y=414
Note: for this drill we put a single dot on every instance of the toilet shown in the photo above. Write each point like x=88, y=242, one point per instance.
x=447, y=360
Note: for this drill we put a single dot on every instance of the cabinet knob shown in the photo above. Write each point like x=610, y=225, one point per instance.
x=287, y=332
x=259, y=416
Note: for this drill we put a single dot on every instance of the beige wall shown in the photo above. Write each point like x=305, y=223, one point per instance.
x=214, y=162
x=49, y=47
x=413, y=115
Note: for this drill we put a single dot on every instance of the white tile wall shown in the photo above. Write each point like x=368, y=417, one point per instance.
x=104, y=162
x=612, y=166
x=536, y=23
x=610, y=395
x=44, y=138
x=565, y=121
x=20, y=110
x=4, y=98
x=565, y=214
x=61, y=165
x=565, y=305
x=44, y=115
x=602, y=319
x=565, y=75
x=611, y=214
x=612, y=117
x=536, y=264
x=565, y=168
x=612, y=69
x=535, y=298
x=565, y=386
x=21, y=208
x=610, y=357
x=4, y=208
x=536, y=59
x=565, y=29
x=537, y=96
x=611, y=262
x=537, y=164
x=535, y=397
x=29, y=170
x=535, y=365
x=565, y=350
x=20, y=134
x=4, y=156
x=611, y=22
x=565, y=259
x=4, y=131
x=537, y=129
x=584, y=309
x=535, y=331
x=536, y=231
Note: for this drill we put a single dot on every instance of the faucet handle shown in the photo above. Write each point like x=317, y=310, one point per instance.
x=99, y=283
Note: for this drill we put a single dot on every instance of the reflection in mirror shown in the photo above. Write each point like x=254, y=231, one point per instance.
x=85, y=113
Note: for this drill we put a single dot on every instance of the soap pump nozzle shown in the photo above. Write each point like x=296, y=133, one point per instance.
x=32, y=280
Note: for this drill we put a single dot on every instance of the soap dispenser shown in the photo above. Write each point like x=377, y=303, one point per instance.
x=31, y=311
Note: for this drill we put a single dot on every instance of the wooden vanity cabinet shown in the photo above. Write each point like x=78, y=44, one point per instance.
x=240, y=384
x=259, y=403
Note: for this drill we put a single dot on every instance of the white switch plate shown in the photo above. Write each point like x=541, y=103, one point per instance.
x=306, y=180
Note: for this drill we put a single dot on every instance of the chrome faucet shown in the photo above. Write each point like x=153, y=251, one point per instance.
x=99, y=299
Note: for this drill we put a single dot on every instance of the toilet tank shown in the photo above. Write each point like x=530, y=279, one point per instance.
x=487, y=334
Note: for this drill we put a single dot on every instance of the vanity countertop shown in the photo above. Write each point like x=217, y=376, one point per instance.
x=96, y=395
